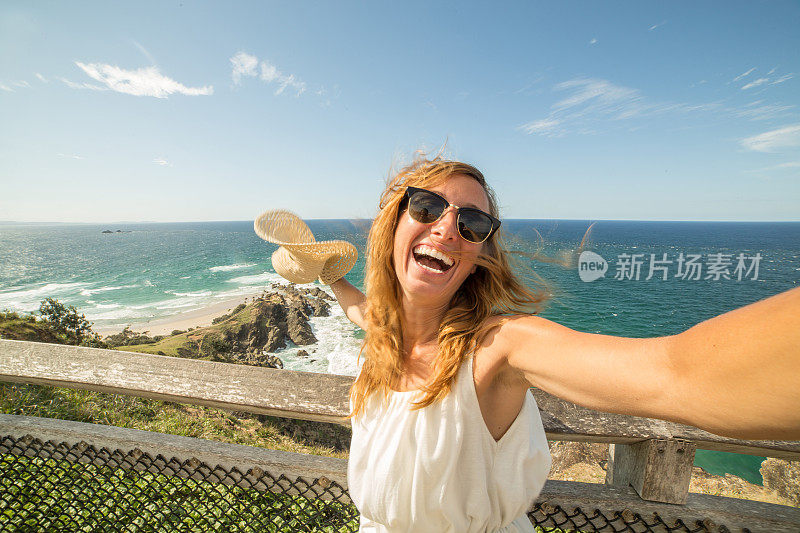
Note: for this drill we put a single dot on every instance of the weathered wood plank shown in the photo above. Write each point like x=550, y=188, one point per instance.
x=659, y=470
x=304, y=395
x=567, y=421
x=309, y=396
x=200, y=459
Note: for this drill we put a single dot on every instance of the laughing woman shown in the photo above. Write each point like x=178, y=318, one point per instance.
x=446, y=434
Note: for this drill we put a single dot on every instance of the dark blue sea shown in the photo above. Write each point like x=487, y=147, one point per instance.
x=151, y=271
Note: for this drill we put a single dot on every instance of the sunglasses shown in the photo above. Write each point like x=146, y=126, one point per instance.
x=427, y=207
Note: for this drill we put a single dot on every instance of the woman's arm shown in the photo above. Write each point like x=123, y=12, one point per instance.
x=737, y=374
x=352, y=301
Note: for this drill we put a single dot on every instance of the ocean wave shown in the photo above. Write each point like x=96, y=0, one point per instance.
x=228, y=268
x=172, y=303
x=336, y=351
x=258, y=279
x=239, y=291
x=125, y=312
x=30, y=299
x=178, y=303
x=195, y=293
x=90, y=292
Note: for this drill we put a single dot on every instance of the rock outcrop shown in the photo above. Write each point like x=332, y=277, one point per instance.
x=587, y=462
x=783, y=477
x=250, y=332
x=578, y=461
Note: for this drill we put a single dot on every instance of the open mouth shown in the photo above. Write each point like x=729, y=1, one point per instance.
x=432, y=259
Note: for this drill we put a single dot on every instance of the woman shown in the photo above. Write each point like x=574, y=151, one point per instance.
x=446, y=435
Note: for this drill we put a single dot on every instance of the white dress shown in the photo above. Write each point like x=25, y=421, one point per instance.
x=439, y=469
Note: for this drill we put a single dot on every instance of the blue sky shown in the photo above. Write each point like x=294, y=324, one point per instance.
x=188, y=111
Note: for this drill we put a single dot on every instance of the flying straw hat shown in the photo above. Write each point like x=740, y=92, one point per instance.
x=300, y=258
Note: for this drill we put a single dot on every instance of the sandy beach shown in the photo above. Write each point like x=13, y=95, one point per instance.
x=182, y=321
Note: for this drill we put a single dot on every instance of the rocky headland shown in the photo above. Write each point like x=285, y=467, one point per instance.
x=252, y=331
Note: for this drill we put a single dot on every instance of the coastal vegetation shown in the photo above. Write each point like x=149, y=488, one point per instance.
x=61, y=324
x=140, y=499
x=247, y=334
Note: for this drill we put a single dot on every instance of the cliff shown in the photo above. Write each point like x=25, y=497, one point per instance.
x=250, y=333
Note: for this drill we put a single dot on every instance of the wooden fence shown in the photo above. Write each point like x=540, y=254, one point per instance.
x=648, y=473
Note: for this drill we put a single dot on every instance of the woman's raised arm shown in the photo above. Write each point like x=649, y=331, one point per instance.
x=737, y=374
x=352, y=301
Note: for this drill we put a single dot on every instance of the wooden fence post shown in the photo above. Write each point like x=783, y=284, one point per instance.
x=659, y=470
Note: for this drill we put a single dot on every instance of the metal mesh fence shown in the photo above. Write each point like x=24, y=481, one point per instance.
x=548, y=516
x=46, y=486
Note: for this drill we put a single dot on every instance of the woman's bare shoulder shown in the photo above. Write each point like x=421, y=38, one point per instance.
x=505, y=330
x=503, y=333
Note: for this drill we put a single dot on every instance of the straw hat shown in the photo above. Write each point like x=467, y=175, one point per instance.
x=300, y=258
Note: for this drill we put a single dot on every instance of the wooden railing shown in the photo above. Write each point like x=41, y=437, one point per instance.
x=651, y=457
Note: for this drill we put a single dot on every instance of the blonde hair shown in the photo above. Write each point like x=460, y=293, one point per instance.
x=491, y=290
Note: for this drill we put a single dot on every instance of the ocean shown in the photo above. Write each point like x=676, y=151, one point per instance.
x=152, y=271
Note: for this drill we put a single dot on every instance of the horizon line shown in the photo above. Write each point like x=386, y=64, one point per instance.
x=72, y=223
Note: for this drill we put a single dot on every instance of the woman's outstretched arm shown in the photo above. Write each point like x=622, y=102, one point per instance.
x=737, y=374
x=352, y=301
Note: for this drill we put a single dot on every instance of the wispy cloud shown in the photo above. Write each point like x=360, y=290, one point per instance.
x=71, y=156
x=42, y=78
x=589, y=102
x=774, y=140
x=758, y=110
x=744, y=74
x=542, y=127
x=147, y=81
x=780, y=168
x=755, y=83
x=161, y=161
x=144, y=52
x=245, y=65
x=782, y=79
x=74, y=85
x=790, y=164
x=767, y=79
x=654, y=26
x=19, y=84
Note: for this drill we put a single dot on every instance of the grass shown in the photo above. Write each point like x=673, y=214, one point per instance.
x=176, y=419
x=188, y=344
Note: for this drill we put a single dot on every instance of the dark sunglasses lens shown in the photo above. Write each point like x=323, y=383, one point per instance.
x=425, y=207
x=473, y=225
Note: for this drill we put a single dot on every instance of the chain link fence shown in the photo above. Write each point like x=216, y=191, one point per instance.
x=554, y=518
x=46, y=486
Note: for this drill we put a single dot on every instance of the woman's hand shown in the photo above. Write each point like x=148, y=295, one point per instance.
x=351, y=300
x=737, y=374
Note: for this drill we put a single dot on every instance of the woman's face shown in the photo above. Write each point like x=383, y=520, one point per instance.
x=418, y=273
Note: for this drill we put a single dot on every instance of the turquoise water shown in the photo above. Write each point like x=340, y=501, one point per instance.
x=154, y=271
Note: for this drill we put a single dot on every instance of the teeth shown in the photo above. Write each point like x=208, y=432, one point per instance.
x=431, y=269
x=433, y=252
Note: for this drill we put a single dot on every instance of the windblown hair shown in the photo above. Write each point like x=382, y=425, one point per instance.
x=493, y=289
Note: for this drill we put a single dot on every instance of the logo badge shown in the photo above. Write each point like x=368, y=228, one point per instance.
x=591, y=266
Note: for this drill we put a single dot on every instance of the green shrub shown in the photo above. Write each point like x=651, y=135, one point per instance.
x=66, y=320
